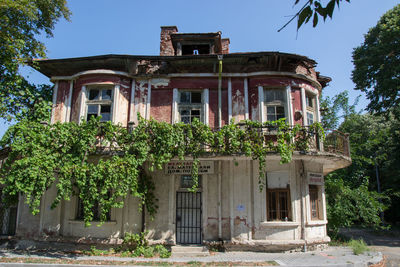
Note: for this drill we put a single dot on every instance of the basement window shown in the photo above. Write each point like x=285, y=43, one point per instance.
x=99, y=102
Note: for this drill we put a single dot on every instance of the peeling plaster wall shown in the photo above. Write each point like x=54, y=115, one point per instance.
x=60, y=110
x=238, y=105
x=140, y=101
x=254, y=111
x=296, y=104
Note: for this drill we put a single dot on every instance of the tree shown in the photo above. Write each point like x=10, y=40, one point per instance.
x=21, y=21
x=332, y=107
x=377, y=63
x=352, y=196
x=313, y=9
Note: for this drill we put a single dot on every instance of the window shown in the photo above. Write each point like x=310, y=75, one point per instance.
x=310, y=106
x=275, y=102
x=278, y=205
x=310, y=118
x=314, y=202
x=190, y=106
x=309, y=102
x=95, y=209
x=99, y=102
x=188, y=182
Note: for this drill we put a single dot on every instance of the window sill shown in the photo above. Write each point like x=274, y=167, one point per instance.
x=316, y=223
x=93, y=222
x=280, y=224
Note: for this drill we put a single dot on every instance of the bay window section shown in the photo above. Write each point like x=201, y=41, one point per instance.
x=99, y=102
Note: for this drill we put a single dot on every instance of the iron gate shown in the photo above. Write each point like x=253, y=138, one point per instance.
x=188, y=218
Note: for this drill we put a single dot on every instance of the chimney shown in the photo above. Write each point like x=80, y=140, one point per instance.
x=166, y=47
x=225, y=45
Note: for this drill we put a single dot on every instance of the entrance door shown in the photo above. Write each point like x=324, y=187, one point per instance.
x=188, y=218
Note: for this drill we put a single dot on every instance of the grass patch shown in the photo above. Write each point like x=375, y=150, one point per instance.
x=358, y=246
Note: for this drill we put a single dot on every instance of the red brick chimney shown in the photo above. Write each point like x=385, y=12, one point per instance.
x=225, y=45
x=166, y=47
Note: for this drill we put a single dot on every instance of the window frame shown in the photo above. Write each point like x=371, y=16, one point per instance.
x=181, y=183
x=275, y=103
x=192, y=106
x=310, y=108
x=79, y=214
x=314, y=193
x=278, y=210
x=99, y=102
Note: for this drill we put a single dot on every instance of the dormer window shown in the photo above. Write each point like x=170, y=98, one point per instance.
x=196, y=49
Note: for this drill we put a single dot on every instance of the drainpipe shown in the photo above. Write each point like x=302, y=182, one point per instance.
x=220, y=57
x=219, y=201
x=303, y=206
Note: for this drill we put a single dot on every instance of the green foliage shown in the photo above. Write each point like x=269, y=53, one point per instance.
x=133, y=241
x=102, y=163
x=162, y=251
x=377, y=63
x=21, y=21
x=332, y=107
x=358, y=246
x=313, y=9
x=347, y=205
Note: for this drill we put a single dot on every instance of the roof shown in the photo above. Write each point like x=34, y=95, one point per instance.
x=71, y=66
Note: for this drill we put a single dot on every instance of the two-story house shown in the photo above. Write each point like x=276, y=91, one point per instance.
x=185, y=82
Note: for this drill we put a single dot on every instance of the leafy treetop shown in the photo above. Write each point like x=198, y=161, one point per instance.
x=377, y=63
x=21, y=21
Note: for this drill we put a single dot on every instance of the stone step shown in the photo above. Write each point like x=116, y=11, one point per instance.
x=189, y=251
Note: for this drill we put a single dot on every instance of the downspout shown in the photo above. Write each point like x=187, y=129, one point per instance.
x=219, y=201
x=220, y=57
x=302, y=204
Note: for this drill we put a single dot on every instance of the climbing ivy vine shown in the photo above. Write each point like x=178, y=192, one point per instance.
x=102, y=163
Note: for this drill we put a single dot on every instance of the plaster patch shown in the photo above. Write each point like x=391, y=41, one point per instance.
x=159, y=82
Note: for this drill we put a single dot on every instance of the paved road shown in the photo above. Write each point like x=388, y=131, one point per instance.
x=388, y=243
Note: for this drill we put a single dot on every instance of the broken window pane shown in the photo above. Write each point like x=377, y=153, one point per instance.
x=94, y=94
x=106, y=94
x=196, y=97
x=93, y=109
x=185, y=97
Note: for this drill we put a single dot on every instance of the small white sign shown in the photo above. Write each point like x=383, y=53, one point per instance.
x=185, y=167
x=315, y=178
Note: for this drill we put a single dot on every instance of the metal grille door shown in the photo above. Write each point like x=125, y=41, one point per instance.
x=188, y=218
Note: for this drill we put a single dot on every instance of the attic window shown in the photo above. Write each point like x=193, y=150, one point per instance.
x=202, y=49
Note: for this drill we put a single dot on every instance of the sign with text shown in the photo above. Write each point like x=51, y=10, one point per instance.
x=315, y=178
x=185, y=167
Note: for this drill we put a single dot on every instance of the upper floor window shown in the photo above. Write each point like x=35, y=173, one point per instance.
x=190, y=106
x=275, y=104
x=310, y=106
x=99, y=102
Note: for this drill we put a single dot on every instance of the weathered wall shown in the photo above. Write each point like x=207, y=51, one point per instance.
x=59, y=110
x=161, y=104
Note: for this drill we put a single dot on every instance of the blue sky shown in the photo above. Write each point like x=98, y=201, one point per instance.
x=133, y=27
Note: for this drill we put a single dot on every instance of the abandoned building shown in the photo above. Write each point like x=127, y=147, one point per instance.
x=180, y=84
